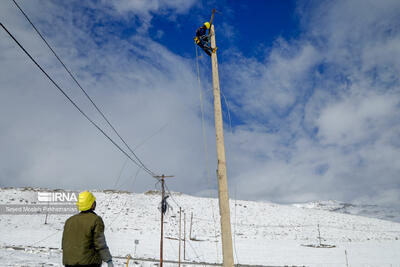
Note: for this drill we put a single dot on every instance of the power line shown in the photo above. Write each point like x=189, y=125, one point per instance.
x=74, y=104
x=235, y=224
x=83, y=90
x=205, y=146
x=39, y=241
x=195, y=252
x=170, y=194
x=126, y=201
x=197, y=255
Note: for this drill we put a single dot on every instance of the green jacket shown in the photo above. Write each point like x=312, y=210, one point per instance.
x=83, y=241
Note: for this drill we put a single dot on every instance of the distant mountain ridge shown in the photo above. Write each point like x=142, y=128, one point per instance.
x=372, y=211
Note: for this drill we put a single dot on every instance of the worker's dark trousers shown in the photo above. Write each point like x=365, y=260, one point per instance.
x=205, y=48
x=91, y=265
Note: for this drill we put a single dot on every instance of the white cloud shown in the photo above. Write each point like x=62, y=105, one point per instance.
x=356, y=119
x=329, y=101
x=273, y=85
x=320, y=114
x=146, y=7
x=50, y=144
x=145, y=10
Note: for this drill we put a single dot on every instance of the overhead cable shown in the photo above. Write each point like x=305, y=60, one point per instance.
x=205, y=148
x=74, y=104
x=83, y=90
x=170, y=194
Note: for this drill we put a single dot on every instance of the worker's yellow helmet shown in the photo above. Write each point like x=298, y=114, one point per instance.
x=207, y=24
x=85, y=200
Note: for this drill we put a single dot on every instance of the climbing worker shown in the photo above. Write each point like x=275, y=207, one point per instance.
x=202, y=39
x=83, y=240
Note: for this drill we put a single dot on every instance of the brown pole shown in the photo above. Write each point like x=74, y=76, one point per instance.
x=180, y=226
x=184, y=236
x=191, y=222
x=319, y=235
x=162, y=221
x=161, y=178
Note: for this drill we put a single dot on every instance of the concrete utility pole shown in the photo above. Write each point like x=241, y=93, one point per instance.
x=227, y=249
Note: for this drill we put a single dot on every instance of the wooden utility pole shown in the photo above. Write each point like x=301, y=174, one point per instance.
x=319, y=235
x=227, y=249
x=162, y=220
x=180, y=226
x=191, y=222
x=161, y=178
x=47, y=212
x=184, y=236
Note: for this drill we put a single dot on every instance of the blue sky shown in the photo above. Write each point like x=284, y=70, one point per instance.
x=249, y=27
x=312, y=89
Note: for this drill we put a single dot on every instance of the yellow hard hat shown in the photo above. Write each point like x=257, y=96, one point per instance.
x=85, y=201
x=207, y=24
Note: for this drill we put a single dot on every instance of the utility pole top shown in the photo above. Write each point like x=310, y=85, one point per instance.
x=163, y=176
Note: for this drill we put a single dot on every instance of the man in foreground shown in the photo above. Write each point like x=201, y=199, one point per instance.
x=83, y=241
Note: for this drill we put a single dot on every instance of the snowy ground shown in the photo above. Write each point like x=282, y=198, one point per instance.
x=264, y=233
x=373, y=211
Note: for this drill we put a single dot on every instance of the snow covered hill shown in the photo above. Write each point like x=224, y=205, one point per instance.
x=265, y=234
x=373, y=211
